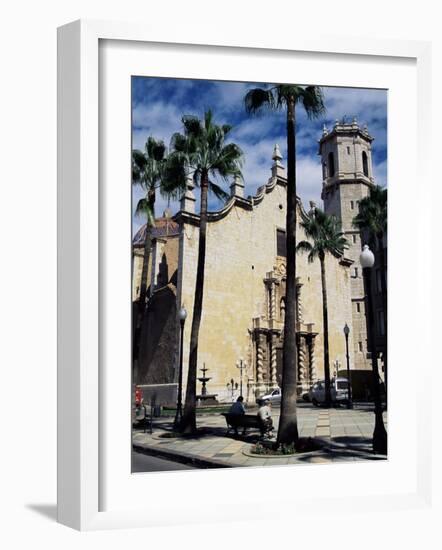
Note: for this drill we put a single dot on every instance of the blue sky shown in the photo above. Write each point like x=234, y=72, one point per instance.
x=159, y=103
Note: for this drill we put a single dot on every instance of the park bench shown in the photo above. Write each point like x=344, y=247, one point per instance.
x=244, y=421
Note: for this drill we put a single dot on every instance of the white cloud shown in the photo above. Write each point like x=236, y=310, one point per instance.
x=257, y=135
x=380, y=173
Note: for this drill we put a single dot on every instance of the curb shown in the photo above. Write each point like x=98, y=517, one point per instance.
x=253, y=455
x=183, y=458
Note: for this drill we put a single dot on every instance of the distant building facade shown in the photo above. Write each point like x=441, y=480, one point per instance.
x=245, y=277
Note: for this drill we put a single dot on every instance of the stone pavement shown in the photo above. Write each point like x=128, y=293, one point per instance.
x=345, y=434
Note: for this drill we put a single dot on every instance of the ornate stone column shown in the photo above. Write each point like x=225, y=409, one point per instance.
x=270, y=283
x=260, y=347
x=273, y=360
x=301, y=362
x=311, y=353
x=299, y=318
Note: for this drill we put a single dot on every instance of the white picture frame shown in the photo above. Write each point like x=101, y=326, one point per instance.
x=81, y=394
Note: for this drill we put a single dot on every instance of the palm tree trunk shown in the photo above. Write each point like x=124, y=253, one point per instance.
x=143, y=285
x=288, y=422
x=325, y=323
x=188, y=423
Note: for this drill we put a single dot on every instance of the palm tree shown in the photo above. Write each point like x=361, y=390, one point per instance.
x=203, y=152
x=326, y=237
x=278, y=97
x=148, y=172
x=372, y=222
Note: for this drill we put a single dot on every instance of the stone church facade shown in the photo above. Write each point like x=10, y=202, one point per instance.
x=244, y=288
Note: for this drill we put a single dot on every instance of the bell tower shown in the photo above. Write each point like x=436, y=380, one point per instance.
x=347, y=176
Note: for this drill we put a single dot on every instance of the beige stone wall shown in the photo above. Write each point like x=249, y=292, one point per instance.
x=241, y=249
x=137, y=267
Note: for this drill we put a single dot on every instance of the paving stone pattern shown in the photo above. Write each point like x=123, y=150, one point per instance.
x=346, y=434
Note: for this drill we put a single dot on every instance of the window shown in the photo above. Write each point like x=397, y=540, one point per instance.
x=282, y=310
x=354, y=238
x=360, y=346
x=281, y=243
x=365, y=163
x=331, y=165
x=348, y=150
x=356, y=272
x=358, y=307
x=352, y=205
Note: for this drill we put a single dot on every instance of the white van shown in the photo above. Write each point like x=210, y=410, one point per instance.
x=338, y=390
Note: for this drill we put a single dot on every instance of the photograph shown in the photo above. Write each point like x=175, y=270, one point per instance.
x=259, y=274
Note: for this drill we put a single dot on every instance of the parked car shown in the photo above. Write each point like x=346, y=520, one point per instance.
x=338, y=390
x=274, y=397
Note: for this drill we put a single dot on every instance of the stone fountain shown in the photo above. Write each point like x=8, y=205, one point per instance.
x=205, y=398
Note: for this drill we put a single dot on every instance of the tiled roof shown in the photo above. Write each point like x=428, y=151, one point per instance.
x=164, y=227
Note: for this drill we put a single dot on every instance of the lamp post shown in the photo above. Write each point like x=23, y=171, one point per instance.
x=349, y=399
x=241, y=365
x=182, y=314
x=379, y=435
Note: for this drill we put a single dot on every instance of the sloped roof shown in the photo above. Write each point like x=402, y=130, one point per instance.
x=164, y=227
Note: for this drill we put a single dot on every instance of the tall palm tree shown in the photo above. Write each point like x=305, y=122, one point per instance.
x=325, y=234
x=148, y=172
x=286, y=97
x=203, y=152
x=371, y=220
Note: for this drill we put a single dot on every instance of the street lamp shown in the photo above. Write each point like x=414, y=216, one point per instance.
x=379, y=435
x=349, y=397
x=182, y=314
x=241, y=365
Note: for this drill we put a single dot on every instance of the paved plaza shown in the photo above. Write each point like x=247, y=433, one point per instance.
x=345, y=435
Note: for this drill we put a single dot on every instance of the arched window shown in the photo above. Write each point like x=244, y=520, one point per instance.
x=365, y=163
x=331, y=165
x=282, y=310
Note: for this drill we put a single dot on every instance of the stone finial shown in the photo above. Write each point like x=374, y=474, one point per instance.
x=277, y=167
x=324, y=130
x=355, y=120
x=237, y=187
x=187, y=201
x=277, y=157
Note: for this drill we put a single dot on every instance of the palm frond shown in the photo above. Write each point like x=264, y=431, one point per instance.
x=155, y=149
x=174, y=176
x=178, y=142
x=218, y=191
x=303, y=246
x=192, y=125
x=139, y=163
x=258, y=99
x=145, y=209
x=325, y=233
x=312, y=99
x=372, y=215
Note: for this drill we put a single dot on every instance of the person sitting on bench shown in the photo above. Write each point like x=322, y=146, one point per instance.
x=238, y=408
x=265, y=417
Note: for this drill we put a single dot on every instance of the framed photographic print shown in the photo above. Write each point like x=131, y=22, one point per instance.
x=226, y=257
